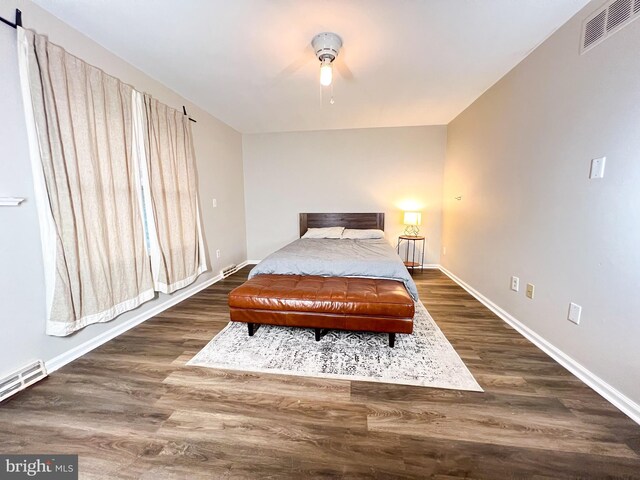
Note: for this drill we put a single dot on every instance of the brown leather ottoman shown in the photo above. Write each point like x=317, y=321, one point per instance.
x=322, y=303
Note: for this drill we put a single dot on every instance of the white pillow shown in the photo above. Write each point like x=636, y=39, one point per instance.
x=328, y=232
x=362, y=234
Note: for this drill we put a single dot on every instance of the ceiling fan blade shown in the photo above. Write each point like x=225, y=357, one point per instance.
x=345, y=72
x=341, y=64
x=306, y=57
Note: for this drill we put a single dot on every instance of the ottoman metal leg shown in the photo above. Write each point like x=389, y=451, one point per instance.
x=251, y=331
x=392, y=339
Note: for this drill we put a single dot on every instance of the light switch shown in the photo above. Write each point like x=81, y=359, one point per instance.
x=597, y=167
x=531, y=288
x=214, y=202
x=574, y=313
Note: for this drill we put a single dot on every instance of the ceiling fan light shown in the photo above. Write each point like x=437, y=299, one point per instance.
x=326, y=73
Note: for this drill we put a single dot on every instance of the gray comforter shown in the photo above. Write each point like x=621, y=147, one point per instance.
x=338, y=258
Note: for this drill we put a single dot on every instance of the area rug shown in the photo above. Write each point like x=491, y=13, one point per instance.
x=424, y=359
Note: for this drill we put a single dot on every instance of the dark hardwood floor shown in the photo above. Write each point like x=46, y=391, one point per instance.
x=132, y=409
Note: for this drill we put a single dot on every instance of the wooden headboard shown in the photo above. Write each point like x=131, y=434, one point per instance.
x=347, y=220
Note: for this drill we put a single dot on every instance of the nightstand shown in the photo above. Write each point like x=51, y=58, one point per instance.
x=411, y=242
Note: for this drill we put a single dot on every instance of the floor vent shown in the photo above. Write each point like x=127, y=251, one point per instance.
x=607, y=20
x=21, y=379
x=230, y=270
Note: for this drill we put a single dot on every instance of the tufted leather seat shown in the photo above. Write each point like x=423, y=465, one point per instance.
x=324, y=302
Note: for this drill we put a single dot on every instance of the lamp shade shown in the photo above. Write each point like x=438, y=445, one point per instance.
x=412, y=218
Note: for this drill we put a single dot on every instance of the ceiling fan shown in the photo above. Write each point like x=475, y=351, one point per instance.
x=325, y=46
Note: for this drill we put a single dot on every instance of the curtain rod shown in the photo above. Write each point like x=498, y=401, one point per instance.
x=19, y=24
x=18, y=20
x=184, y=109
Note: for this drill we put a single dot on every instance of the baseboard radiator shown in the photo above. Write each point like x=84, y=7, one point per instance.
x=21, y=379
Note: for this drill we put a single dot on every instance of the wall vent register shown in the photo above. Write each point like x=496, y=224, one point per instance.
x=229, y=270
x=607, y=20
x=21, y=379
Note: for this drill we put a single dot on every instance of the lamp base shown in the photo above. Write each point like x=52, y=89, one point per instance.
x=411, y=230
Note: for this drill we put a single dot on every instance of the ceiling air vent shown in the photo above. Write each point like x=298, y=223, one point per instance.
x=618, y=13
x=594, y=29
x=607, y=20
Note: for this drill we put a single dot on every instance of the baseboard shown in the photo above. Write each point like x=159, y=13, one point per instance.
x=64, y=358
x=612, y=395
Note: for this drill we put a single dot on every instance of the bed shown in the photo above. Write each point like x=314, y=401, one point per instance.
x=337, y=283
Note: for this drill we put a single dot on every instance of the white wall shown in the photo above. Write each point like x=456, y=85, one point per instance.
x=22, y=303
x=520, y=157
x=363, y=170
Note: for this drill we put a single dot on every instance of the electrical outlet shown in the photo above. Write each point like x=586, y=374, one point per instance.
x=444, y=250
x=217, y=253
x=574, y=313
x=530, y=290
x=214, y=202
x=515, y=284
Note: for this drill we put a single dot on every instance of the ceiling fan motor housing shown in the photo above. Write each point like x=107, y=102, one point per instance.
x=326, y=45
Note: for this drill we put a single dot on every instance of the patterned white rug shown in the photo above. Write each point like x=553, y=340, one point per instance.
x=425, y=358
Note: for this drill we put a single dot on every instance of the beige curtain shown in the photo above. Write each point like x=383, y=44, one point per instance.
x=87, y=187
x=177, y=247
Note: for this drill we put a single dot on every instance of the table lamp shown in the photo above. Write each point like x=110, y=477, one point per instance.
x=412, y=220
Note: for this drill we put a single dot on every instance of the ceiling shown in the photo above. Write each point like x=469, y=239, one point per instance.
x=248, y=62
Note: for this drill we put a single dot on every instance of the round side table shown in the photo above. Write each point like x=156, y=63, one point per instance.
x=417, y=259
